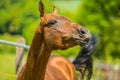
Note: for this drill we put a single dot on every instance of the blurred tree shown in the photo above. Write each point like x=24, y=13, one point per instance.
x=103, y=18
x=15, y=15
x=20, y=16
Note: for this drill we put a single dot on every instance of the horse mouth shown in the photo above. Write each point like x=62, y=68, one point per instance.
x=75, y=41
x=81, y=42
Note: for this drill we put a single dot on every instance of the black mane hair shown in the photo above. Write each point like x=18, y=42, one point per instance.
x=84, y=60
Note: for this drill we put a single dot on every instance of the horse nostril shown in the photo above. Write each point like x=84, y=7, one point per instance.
x=83, y=31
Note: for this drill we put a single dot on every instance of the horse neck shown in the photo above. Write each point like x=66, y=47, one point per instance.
x=37, y=59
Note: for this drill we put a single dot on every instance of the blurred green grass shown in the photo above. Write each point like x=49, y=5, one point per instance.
x=7, y=66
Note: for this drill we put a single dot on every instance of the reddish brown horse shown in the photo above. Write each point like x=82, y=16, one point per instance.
x=54, y=32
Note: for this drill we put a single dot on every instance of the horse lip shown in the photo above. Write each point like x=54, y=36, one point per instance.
x=81, y=42
x=76, y=40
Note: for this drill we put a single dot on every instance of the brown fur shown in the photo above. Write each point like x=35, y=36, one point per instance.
x=59, y=68
x=54, y=32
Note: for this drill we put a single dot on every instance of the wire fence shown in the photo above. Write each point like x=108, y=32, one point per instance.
x=14, y=44
x=20, y=48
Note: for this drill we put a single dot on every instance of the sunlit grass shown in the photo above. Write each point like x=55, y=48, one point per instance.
x=7, y=66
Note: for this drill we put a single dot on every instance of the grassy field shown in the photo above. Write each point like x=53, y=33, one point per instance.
x=7, y=66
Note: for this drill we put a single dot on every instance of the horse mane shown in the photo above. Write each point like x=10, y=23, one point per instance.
x=84, y=60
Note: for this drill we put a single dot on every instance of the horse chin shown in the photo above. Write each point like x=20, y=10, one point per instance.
x=82, y=43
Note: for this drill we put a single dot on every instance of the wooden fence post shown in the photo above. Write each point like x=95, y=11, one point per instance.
x=106, y=68
x=19, y=55
x=116, y=72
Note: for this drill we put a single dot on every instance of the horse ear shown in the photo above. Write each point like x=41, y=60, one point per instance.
x=55, y=11
x=41, y=8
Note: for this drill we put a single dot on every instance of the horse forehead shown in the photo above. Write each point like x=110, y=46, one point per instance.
x=48, y=17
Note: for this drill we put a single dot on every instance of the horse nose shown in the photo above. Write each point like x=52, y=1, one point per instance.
x=83, y=31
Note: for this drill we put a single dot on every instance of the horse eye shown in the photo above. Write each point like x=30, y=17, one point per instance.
x=52, y=22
